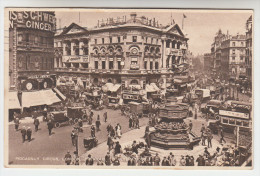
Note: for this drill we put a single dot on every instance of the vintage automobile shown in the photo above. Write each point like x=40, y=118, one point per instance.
x=59, y=118
x=93, y=100
x=203, y=94
x=90, y=142
x=214, y=126
x=113, y=102
x=136, y=108
x=212, y=107
x=76, y=113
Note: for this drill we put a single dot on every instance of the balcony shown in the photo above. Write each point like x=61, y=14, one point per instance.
x=134, y=67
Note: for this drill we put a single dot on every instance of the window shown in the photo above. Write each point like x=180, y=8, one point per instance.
x=168, y=44
x=36, y=39
x=146, y=39
x=96, y=64
x=151, y=65
x=95, y=41
x=111, y=65
x=234, y=44
x=110, y=39
x=119, y=65
x=134, y=61
x=134, y=38
x=242, y=43
x=145, y=64
x=241, y=58
x=103, y=64
x=233, y=58
x=233, y=51
x=156, y=65
x=157, y=41
x=27, y=39
x=103, y=40
x=151, y=40
x=118, y=39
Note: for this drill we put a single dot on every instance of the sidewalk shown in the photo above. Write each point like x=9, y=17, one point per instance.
x=26, y=120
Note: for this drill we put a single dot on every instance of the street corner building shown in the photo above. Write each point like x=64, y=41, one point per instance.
x=133, y=51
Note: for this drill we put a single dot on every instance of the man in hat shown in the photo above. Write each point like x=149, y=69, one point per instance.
x=50, y=126
x=206, y=152
x=73, y=137
x=134, y=147
x=110, y=142
x=157, y=160
x=149, y=161
x=105, y=116
x=222, y=136
x=200, y=160
x=117, y=148
x=36, y=123
x=209, y=138
x=23, y=131
x=93, y=133
x=89, y=161
x=165, y=162
x=190, y=125
x=98, y=123
x=68, y=158
x=16, y=123
x=29, y=134
x=108, y=159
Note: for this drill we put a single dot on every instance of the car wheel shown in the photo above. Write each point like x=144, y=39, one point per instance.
x=57, y=125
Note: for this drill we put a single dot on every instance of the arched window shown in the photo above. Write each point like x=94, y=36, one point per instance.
x=109, y=80
x=134, y=82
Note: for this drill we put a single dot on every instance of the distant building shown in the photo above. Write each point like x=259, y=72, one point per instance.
x=208, y=62
x=248, y=59
x=233, y=57
x=31, y=56
x=136, y=51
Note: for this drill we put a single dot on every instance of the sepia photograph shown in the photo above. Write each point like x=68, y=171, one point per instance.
x=129, y=88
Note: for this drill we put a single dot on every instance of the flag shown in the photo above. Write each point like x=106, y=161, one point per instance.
x=184, y=16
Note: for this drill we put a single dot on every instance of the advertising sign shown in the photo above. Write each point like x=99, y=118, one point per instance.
x=234, y=114
x=45, y=21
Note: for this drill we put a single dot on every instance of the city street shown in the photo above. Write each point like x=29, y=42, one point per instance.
x=45, y=149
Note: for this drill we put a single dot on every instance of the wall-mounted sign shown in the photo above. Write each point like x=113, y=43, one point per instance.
x=234, y=114
x=33, y=19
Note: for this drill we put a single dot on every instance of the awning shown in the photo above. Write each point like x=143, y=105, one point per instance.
x=151, y=87
x=111, y=87
x=59, y=94
x=13, y=101
x=37, y=98
x=50, y=96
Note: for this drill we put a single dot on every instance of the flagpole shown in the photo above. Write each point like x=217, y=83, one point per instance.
x=182, y=22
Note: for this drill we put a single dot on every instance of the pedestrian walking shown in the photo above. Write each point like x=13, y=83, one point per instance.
x=172, y=159
x=200, y=160
x=29, y=134
x=23, y=131
x=105, y=117
x=16, y=123
x=110, y=143
x=117, y=148
x=50, y=126
x=108, y=160
x=36, y=123
x=209, y=138
x=222, y=136
x=98, y=123
x=137, y=122
x=118, y=130
x=68, y=158
x=130, y=121
x=92, y=131
x=203, y=138
x=165, y=162
x=73, y=137
x=157, y=160
x=89, y=161
x=148, y=139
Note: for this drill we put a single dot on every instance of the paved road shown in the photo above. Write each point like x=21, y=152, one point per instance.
x=45, y=149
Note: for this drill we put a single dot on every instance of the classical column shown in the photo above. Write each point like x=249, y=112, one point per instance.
x=72, y=48
x=81, y=44
x=64, y=48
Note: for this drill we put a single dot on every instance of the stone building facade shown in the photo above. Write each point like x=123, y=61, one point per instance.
x=135, y=51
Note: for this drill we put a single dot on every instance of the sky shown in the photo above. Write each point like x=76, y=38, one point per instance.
x=199, y=25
